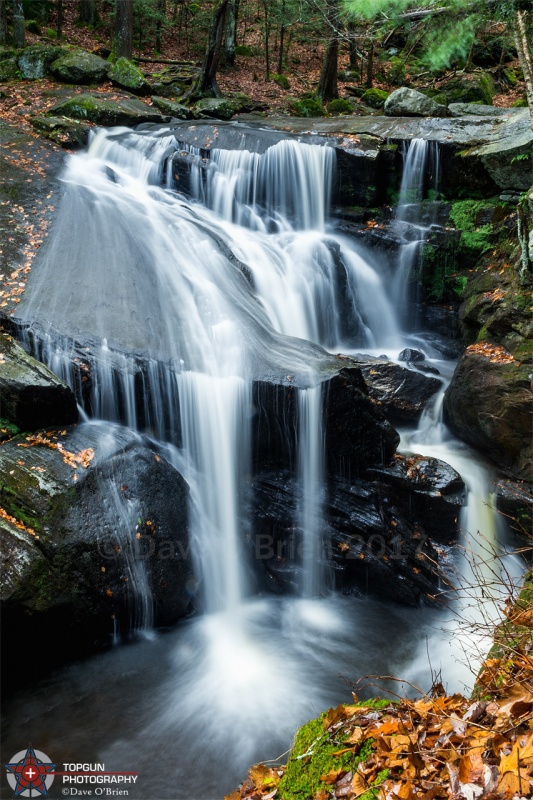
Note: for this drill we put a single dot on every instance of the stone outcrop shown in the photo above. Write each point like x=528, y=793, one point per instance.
x=127, y=75
x=94, y=537
x=31, y=396
x=78, y=66
x=103, y=111
x=407, y=102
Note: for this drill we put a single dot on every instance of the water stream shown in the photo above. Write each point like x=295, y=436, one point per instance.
x=144, y=272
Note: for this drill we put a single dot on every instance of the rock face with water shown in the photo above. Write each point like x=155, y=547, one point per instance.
x=31, y=396
x=94, y=536
x=378, y=531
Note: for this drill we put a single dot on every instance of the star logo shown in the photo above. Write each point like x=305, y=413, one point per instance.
x=30, y=773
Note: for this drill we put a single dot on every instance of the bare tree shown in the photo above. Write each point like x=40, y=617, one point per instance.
x=520, y=31
x=232, y=15
x=3, y=22
x=124, y=29
x=206, y=84
x=327, y=85
x=88, y=13
x=19, y=32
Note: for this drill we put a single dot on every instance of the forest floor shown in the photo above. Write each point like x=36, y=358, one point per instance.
x=25, y=99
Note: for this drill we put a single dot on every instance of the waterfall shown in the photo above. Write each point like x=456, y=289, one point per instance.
x=420, y=174
x=311, y=471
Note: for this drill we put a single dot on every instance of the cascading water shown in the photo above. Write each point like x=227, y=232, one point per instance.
x=178, y=302
x=421, y=159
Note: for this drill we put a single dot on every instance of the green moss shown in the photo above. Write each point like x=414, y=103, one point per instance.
x=375, y=98
x=7, y=429
x=475, y=238
x=127, y=74
x=245, y=51
x=396, y=71
x=308, y=107
x=313, y=755
x=340, y=106
x=281, y=80
x=520, y=103
x=11, y=502
x=373, y=792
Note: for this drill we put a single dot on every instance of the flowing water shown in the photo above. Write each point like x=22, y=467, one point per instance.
x=186, y=298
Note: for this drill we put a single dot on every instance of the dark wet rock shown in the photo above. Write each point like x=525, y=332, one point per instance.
x=216, y=107
x=102, y=111
x=34, y=61
x=356, y=433
x=426, y=368
x=67, y=133
x=171, y=108
x=489, y=404
x=514, y=499
x=432, y=490
x=371, y=542
x=411, y=355
x=442, y=321
x=127, y=75
x=31, y=396
x=400, y=393
x=80, y=67
x=406, y=102
x=508, y=160
x=79, y=535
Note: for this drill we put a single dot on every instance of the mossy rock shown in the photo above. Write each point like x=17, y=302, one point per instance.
x=281, y=80
x=34, y=62
x=308, y=107
x=340, y=106
x=126, y=74
x=396, y=71
x=172, y=109
x=375, y=98
x=65, y=132
x=80, y=67
x=168, y=90
x=50, y=33
x=245, y=51
x=102, y=111
x=32, y=26
x=470, y=89
x=215, y=107
x=9, y=70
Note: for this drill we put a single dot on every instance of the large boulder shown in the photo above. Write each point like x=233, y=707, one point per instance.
x=127, y=75
x=371, y=540
x=216, y=107
x=34, y=61
x=489, y=404
x=9, y=70
x=94, y=538
x=172, y=108
x=102, y=111
x=31, y=396
x=406, y=102
x=508, y=159
x=67, y=133
x=402, y=394
x=476, y=88
x=356, y=434
x=480, y=110
x=78, y=66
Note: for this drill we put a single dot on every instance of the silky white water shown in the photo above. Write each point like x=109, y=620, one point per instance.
x=146, y=273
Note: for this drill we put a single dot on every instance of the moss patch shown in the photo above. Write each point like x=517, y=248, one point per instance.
x=308, y=107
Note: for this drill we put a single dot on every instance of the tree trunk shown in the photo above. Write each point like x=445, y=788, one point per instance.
x=124, y=29
x=352, y=46
x=3, y=22
x=524, y=55
x=281, y=37
x=88, y=13
x=206, y=85
x=59, y=19
x=231, y=24
x=19, y=32
x=267, y=39
x=161, y=8
x=370, y=67
x=327, y=85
